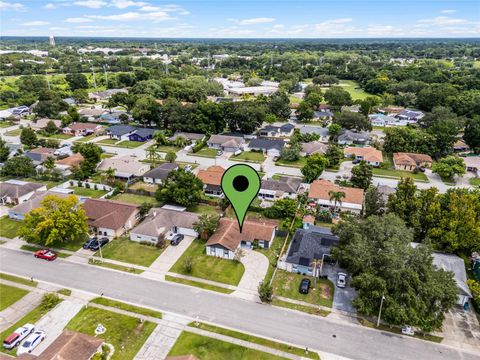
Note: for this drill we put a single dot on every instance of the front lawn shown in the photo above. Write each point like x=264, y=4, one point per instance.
x=126, y=333
x=4, y=124
x=129, y=144
x=397, y=174
x=106, y=155
x=272, y=253
x=10, y=295
x=9, y=227
x=18, y=280
x=296, y=164
x=127, y=307
x=166, y=148
x=57, y=136
x=109, y=142
x=474, y=181
x=205, y=152
x=249, y=156
x=209, y=267
x=81, y=191
x=87, y=138
x=286, y=284
x=135, y=199
x=212, y=349
x=15, y=132
x=123, y=249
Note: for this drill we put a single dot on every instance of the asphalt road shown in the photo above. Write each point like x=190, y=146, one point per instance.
x=317, y=333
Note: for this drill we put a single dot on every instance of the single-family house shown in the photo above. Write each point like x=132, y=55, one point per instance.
x=142, y=134
x=41, y=124
x=113, y=117
x=126, y=167
x=284, y=187
x=313, y=243
x=313, y=147
x=159, y=174
x=16, y=191
x=351, y=108
x=228, y=238
x=83, y=129
x=391, y=110
x=285, y=130
x=272, y=147
x=103, y=95
x=39, y=155
x=212, y=179
x=251, y=90
x=322, y=132
x=411, y=161
x=71, y=161
x=226, y=143
x=19, y=211
x=190, y=137
x=110, y=218
x=320, y=191
x=323, y=115
x=91, y=114
x=368, y=154
x=385, y=120
x=161, y=223
x=409, y=115
x=460, y=146
x=472, y=163
x=120, y=132
x=349, y=137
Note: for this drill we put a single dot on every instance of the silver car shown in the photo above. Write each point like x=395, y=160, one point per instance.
x=341, y=280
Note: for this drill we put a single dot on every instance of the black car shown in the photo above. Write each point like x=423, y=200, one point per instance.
x=90, y=242
x=356, y=161
x=176, y=239
x=304, y=286
x=98, y=244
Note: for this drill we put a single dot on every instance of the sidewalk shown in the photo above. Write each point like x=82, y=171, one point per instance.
x=18, y=310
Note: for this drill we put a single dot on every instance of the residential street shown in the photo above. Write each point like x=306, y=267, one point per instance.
x=352, y=341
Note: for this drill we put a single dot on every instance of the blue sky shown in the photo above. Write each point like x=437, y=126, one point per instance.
x=244, y=19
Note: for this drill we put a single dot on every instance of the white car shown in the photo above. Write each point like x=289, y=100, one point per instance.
x=31, y=342
x=407, y=330
x=17, y=336
x=341, y=280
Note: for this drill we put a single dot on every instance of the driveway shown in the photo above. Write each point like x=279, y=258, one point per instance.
x=461, y=328
x=256, y=267
x=165, y=261
x=342, y=298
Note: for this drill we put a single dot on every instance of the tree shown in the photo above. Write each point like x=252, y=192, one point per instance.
x=80, y=96
x=28, y=137
x=206, y=225
x=362, y=175
x=281, y=209
x=449, y=166
x=76, y=81
x=181, y=187
x=315, y=263
x=407, y=139
x=51, y=128
x=49, y=164
x=334, y=154
x=57, y=221
x=314, y=167
x=245, y=116
x=334, y=130
x=337, y=97
x=20, y=166
x=4, y=150
x=170, y=156
x=336, y=197
x=472, y=133
x=145, y=207
x=305, y=112
x=92, y=154
x=265, y=292
x=153, y=155
x=352, y=120
x=291, y=153
x=377, y=253
x=405, y=203
x=146, y=110
x=279, y=105
x=374, y=203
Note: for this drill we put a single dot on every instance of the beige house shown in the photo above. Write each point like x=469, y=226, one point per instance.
x=368, y=154
x=125, y=167
x=319, y=195
x=82, y=129
x=41, y=124
x=411, y=161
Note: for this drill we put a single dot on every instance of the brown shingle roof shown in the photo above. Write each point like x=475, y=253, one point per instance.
x=72, y=160
x=314, y=147
x=413, y=159
x=107, y=213
x=160, y=220
x=228, y=233
x=18, y=189
x=82, y=126
x=71, y=345
x=319, y=189
x=368, y=153
x=211, y=176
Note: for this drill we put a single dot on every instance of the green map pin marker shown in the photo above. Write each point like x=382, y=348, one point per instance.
x=240, y=184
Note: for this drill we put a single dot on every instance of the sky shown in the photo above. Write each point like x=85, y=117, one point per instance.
x=241, y=19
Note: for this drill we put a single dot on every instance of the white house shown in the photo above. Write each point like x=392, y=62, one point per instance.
x=319, y=196
x=17, y=192
x=159, y=174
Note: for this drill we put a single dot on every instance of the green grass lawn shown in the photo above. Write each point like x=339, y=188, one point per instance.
x=15, y=132
x=18, y=280
x=127, y=334
x=10, y=295
x=272, y=253
x=354, y=89
x=81, y=191
x=204, y=209
x=106, y=155
x=297, y=164
x=306, y=309
x=4, y=124
x=205, y=152
x=212, y=349
x=249, y=156
x=209, y=267
x=105, y=264
x=9, y=227
x=257, y=340
x=57, y=136
x=286, y=284
x=107, y=142
x=398, y=174
x=167, y=148
x=198, y=284
x=129, y=144
x=127, y=307
x=123, y=249
x=135, y=199
x=87, y=138
x=474, y=181
x=294, y=99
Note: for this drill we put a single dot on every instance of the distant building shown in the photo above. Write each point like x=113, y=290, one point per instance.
x=285, y=130
x=313, y=147
x=226, y=143
x=51, y=40
x=126, y=167
x=272, y=147
x=349, y=137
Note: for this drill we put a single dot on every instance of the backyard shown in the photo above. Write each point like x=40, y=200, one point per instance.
x=10, y=295
x=81, y=191
x=9, y=227
x=249, y=156
x=208, y=267
x=204, y=209
x=135, y=199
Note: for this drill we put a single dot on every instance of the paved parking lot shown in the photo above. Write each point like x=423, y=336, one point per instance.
x=342, y=298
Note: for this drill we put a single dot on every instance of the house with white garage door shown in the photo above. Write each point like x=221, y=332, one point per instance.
x=165, y=222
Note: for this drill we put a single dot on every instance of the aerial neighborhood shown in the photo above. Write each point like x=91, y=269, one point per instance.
x=118, y=241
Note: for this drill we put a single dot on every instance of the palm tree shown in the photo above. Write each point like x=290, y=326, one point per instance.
x=153, y=155
x=181, y=142
x=336, y=197
x=109, y=175
x=315, y=263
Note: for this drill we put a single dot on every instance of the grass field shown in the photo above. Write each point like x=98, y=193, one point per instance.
x=204, y=209
x=56, y=137
x=129, y=144
x=209, y=267
x=10, y=295
x=127, y=334
x=206, y=348
x=9, y=227
x=198, y=284
x=127, y=307
x=108, y=265
x=379, y=172
x=286, y=284
x=18, y=280
x=205, y=152
x=81, y=191
x=167, y=148
x=123, y=249
x=135, y=199
x=109, y=142
x=474, y=181
x=296, y=164
x=4, y=124
x=87, y=138
x=249, y=156
x=15, y=132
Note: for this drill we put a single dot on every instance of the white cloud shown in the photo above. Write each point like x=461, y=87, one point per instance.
x=50, y=6
x=77, y=20
x=11, y=6
x=36, y=23
x=92, y=4
x=336, y=27
x=122, y=4
x=448, y=11
x=132, y=15
x=442, y=20
x=253, y=21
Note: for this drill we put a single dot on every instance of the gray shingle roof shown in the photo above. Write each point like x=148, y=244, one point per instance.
x=285, y=184
x=309, y=244
x=266, y=144
x=119, y=130
x=162, y=171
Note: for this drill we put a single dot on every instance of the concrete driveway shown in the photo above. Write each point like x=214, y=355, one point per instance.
x=256, y=267
x=342, y=298
x=461, y=328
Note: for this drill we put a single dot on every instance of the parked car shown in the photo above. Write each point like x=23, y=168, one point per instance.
x=356, y=161
x=407, y=330
x=238, y=152
x=304, y=286
x=31, y=342
x=45, y=254
x=89, y=242
x=176, y=239
x=17, y=336
x=97, y=244
x=341, y=280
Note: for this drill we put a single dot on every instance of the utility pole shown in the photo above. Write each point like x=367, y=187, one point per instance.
x=106, y=75
x=380, y=311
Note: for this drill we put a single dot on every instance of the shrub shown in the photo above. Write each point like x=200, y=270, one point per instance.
x=71, y=183
x=265, y=292
x=87, y=185
x=49, y=301
x=188, y=264
x=95, y=187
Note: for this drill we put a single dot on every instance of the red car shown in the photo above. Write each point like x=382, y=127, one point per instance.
x=46, y=254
